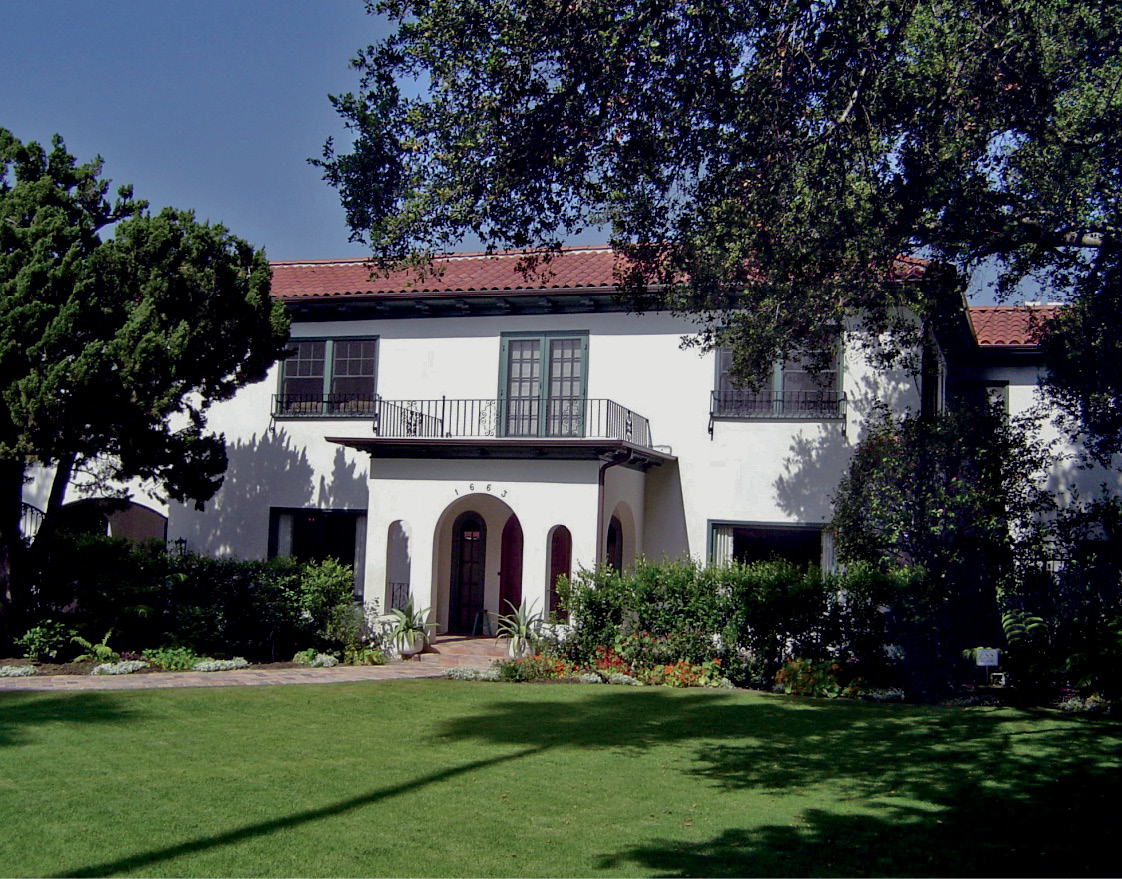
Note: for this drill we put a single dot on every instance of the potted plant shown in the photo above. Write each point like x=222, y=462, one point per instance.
x=522, y=627
x=409, y=629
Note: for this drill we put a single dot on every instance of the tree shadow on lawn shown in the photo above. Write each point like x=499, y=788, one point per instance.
x=950, y=791
x=20, y=711
x=141, y=860
x=1062, y=827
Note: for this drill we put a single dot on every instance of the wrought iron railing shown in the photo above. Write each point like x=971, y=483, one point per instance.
x=323, y=406
x=555, y=418
x=818, y=405
x=399, y=595
x=29, y=521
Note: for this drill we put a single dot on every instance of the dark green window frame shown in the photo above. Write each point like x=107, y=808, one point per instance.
x=775, y=401
x=543, y=414
x=341, y=393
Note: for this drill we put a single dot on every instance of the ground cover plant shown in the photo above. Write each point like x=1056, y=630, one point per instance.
x=456, y=778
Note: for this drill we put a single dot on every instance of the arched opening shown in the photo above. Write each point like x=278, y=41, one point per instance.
x=398, y=565
x=114, y=517
x=613, y=544
x=560, y=565
x=510, y=572
x=469, y=552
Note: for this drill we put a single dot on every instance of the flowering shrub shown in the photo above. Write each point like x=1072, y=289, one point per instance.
x=609, y=662
x=801, y=677
x=676, y=674
x=536, y=668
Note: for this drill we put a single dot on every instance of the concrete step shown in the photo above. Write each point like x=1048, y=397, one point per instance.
x=460, y=645
x=458, y=651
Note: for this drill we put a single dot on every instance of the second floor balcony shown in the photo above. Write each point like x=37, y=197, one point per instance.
x=561, y=418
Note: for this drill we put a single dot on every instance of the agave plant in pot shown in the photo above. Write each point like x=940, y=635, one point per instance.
x=410, y=629
x=523, y=627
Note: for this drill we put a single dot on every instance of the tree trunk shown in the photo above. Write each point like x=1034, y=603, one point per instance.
x=11, y=547
x=63, y=471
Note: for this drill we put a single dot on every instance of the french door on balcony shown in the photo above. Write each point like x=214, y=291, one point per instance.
x=543, y=384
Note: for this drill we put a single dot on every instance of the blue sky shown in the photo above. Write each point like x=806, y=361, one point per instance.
x=211, y=105
x=200, y=104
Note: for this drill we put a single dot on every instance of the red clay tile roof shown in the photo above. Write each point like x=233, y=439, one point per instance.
x=574, y=269
x=1009, y=326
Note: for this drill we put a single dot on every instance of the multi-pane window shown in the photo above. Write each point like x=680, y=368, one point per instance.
x=327, y=377
x=543, y=384
x=793, y=390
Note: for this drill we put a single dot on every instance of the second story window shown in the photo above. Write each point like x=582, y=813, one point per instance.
x=543, y=384
x=327, y=377
x=792, y=391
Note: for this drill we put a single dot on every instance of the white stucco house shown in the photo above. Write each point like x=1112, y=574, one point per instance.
x=468, y=437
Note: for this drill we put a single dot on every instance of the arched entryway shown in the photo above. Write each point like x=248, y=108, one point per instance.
x=469, y=558
x=510, y=572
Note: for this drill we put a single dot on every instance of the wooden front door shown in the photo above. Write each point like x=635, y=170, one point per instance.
x=510, y=576
x=469, y=551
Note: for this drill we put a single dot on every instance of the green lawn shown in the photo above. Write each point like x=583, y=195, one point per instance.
x=450, y=778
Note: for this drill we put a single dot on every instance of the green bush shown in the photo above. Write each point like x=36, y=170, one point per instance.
x=263, y=610
x=173, y=658
x=46, y=642
x=753, y=618
x=801, y=677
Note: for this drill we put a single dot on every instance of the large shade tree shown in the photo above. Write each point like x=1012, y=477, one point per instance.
x=114, y=346
x=786, y=152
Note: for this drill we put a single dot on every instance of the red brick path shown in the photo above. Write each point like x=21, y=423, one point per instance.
x=445, y=652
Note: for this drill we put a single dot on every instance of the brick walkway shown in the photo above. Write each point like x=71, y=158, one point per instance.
x=445, y=653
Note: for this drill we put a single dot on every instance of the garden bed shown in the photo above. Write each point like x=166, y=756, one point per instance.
x=84, y=668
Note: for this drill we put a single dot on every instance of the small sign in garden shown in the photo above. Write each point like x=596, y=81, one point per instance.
x=986, y=656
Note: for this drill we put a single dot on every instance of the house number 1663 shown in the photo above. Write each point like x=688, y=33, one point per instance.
x=488, y=487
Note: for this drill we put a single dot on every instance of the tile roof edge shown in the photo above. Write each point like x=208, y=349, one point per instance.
x=471, y=254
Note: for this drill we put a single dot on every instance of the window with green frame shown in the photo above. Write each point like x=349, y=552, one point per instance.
x=543, y=381
x=794, y=391
x=327, y=377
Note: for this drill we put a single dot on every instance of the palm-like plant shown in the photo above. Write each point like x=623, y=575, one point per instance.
x=522, y=626
x=410, y=628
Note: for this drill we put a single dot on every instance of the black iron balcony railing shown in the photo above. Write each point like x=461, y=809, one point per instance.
x=323, y=406
x=819, y=405
x=556, y=418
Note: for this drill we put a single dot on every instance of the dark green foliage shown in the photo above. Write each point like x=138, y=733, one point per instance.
x=668, y=601
x=776, y=610
x=1082, y=348
x=753, y=618
x=1064, y=625
x=957, y=500
x=45, y=642
x=113, y=349
x=172, y=658
x=786, y=152
x=262, y=610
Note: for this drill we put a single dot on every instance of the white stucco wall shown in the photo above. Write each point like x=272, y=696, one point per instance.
x=758, y=471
